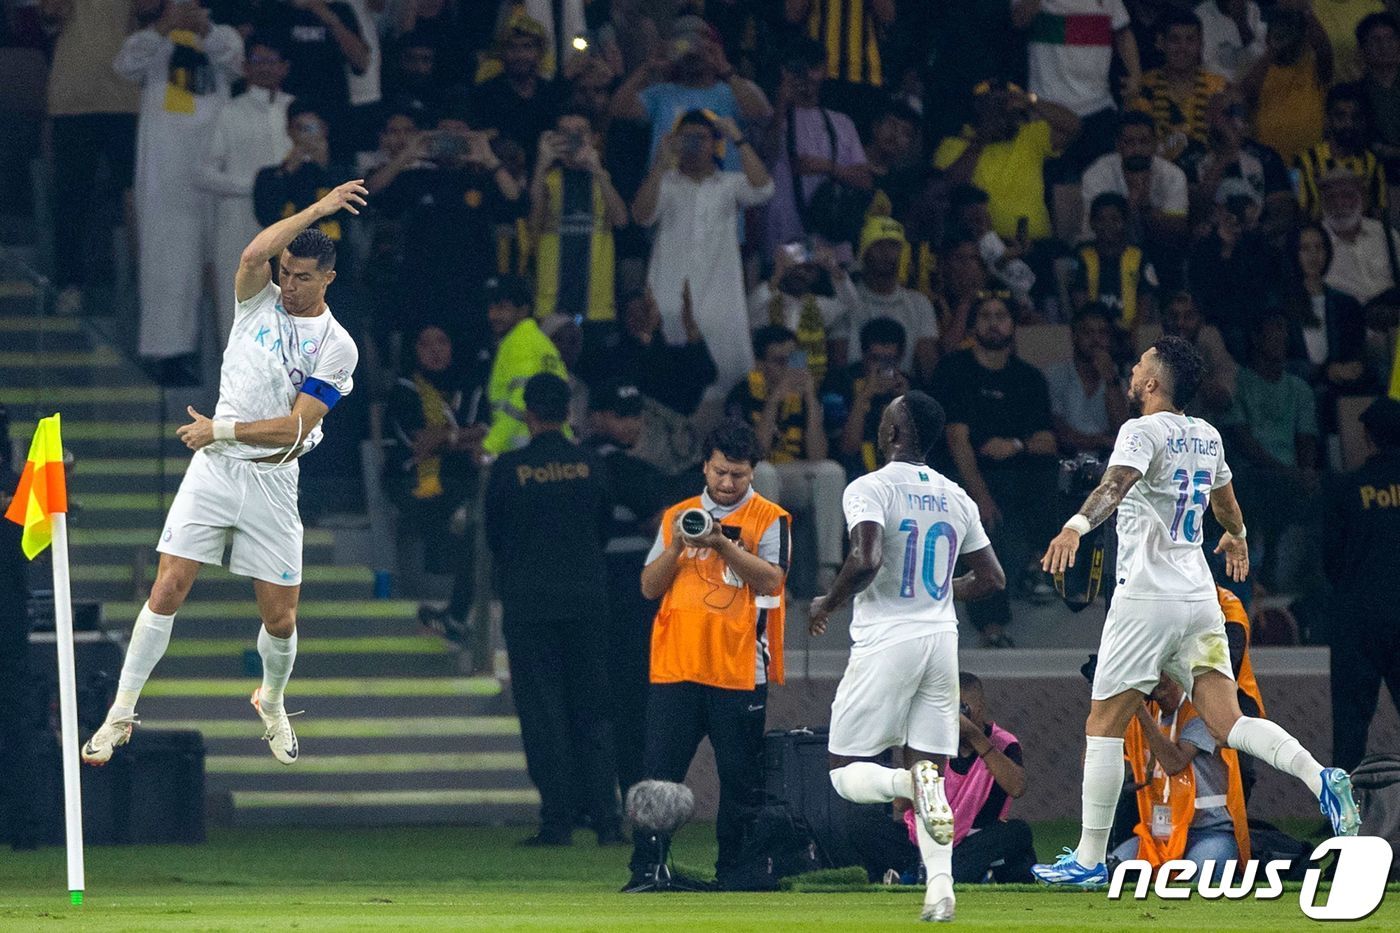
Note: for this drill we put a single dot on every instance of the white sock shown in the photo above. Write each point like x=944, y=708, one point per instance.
x=867, y=782
x=149, y=638
x=938, y=863
x=1103, y=782
x=278, y=655
x=1271, y=744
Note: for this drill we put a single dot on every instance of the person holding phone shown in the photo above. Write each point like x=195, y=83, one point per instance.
x=305, y=174
x=779, y=398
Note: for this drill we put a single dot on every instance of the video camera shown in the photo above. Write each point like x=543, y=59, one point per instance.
x=1079, y=585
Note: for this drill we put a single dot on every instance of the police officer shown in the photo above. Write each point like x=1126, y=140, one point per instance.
x=1361, y=550
x=638, y=492
x=546, y=512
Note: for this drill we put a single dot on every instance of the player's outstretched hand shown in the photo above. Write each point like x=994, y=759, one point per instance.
x=1060, y=554
x=817, y=616
x=1236, y=551
x=198, y=433
x=348, y=196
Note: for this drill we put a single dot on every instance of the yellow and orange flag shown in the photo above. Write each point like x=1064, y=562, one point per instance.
x=42, y=490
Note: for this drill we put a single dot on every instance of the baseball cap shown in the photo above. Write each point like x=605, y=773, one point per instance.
x=510, y=288
x=620, y=398
x=879, y=228
x=1236, y=187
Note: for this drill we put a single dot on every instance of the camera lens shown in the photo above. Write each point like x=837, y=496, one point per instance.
x=695, y=522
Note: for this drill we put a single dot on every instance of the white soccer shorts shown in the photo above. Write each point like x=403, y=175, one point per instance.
x=1144, y=637
x=905, y=694
x=252, y=505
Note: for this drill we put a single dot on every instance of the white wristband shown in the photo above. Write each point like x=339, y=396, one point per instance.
x=1079, y=524
x=1242, y=533
x=223, y=431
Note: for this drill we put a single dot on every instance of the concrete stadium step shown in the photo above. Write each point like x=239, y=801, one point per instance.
x=249, y=742
x=246, y=627
x=109, y=438
x=384, y=734
x=114, y=581
x=128, y=474
x=92, y=545
x=379, y=609
x=414, y=656
x=327, y=771
x=26, y=331
x=386, y=808
x=159, y=707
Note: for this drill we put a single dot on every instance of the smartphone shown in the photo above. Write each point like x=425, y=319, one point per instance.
x=580, y=43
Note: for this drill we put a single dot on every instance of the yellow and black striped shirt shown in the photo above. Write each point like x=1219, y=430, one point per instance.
x=851, y=37
x=1174, y=115
x=1318, y=160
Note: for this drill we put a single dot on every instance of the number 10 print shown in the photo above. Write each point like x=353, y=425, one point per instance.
x=930, y=557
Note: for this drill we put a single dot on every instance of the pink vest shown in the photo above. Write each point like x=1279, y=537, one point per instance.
x=968, y=793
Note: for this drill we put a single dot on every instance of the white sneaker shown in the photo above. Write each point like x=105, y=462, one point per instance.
x=108, y=738
x=278, y=734
x=939, y=902
x=930, y=803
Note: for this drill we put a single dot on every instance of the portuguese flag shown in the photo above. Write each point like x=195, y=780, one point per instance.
x=1091, y=29
x=42, y=490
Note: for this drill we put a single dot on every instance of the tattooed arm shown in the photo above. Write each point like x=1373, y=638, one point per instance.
x=1116, y=482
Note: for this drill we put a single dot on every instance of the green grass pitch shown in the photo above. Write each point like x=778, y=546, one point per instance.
x=477, y=879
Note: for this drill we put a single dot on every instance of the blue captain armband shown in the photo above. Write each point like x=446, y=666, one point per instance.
x=322, y=391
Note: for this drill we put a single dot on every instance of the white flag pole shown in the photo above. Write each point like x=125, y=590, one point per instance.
x=68, y=708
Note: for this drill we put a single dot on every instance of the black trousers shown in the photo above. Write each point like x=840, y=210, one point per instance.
x=678, y=716
x=1004, y=849
x=1025, y=494
x=1360, y=661
x=20, y=722
x=81, y=144
x=559, y=683
x=629, y=663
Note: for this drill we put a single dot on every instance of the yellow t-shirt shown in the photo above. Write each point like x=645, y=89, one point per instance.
x=1289, y=116
x=1011, y=173
x=1339, y=19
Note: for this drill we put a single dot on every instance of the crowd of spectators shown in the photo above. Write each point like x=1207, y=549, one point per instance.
x=786, y=211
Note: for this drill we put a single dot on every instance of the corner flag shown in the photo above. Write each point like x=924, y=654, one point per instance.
x=42, y=489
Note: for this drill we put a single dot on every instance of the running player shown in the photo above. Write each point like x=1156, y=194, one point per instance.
x=1165, y=616
x=287, y=363
x=900, y=688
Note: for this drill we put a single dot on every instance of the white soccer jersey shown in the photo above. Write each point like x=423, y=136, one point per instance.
x=1160, y=521
x=270, y=358
x=928, y=521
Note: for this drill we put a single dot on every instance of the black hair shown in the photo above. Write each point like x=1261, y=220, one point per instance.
x=899, y=110
x=1108, y=199
x=767, y=335
x=402, y=108
x=302, y=106
x=882, y=330
x=1373, y=21
x=969, y=681
x=1093, y=309
x=547, y=398
x=1175, y=16
x=1347, y=93
x=735, y=439
x=802, y=54
x=268, y=40
x=966, y=195
x=313, y=244
x=1295, y=239
x=926, y=418
x=572, y=111
x=1185, y=365
x=1135, y=118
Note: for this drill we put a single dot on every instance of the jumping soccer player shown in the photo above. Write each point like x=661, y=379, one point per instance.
x=900, y=688
x=1165, y=616
x=287, y=363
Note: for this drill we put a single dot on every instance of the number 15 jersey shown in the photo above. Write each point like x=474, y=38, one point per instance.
x=928, y=520
x=1161, y=519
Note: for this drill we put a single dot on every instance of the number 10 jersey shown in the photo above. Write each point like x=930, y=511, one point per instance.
x=1161, y=519
x=928, y=520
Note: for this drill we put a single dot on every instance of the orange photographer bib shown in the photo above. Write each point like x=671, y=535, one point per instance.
x=1235, y=612
x=707, y=630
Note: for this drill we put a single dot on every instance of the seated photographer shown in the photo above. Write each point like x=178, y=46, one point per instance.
x=430, y=470
x=779, y=399
x=1190, y=794
x=717, y=641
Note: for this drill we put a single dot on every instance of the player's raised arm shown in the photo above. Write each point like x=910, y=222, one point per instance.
x=1100, y=504
x=1232, y=543
x=867, y=553
x=254, y=269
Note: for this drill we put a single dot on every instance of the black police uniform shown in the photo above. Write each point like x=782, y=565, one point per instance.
x=1362, y=558
x=546, y=511
x=638, y=492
